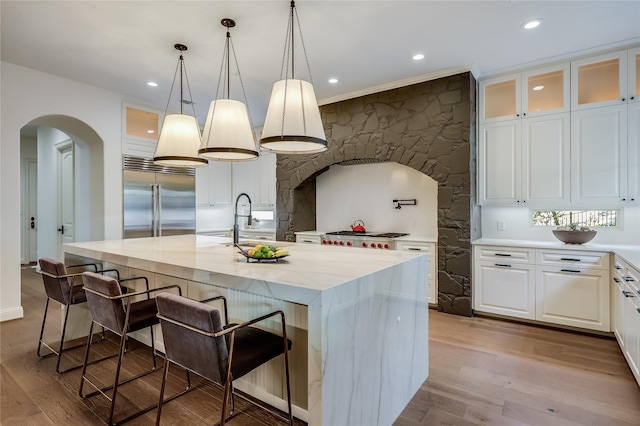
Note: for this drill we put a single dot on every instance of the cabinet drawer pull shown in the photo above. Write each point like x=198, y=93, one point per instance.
x=638, y=309
x=628, y=279
x=502, y=254
x=504, y=265
x=414, y=248
x=616, y=279
x=570, y=270
x=627, y=294
x=569, y=259
x=307, y=241
x=616, y=266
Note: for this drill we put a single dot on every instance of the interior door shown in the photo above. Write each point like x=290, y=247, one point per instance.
x=66, y=196
x=32, y=212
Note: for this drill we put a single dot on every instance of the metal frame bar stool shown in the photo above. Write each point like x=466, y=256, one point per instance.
x=59, y=286
x=196, y=340
x=117, y=312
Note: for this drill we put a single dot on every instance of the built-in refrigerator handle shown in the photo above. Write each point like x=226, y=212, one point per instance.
x=159, y=209
x=154, y=209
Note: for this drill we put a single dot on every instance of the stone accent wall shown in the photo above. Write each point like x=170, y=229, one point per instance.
x=428, y=126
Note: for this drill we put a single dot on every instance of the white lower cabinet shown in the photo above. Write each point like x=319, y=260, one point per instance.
x=430, y=249
x=562, y=287
x=573, y=296
x=505, y=288
x=626, y=312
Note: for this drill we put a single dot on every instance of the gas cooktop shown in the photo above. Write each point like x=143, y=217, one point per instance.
x=368, y=234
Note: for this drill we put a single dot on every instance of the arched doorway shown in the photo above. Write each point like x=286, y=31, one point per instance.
x=42, y=142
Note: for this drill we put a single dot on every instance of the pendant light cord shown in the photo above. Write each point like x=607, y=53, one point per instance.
x=225, y=72
x=183, y=71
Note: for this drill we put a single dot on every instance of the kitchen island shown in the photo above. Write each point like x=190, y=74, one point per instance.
x=358, y=318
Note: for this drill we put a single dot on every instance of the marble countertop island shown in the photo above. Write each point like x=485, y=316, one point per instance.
x=364, y=314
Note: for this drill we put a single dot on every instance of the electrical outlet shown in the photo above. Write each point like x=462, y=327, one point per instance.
x=501, y=225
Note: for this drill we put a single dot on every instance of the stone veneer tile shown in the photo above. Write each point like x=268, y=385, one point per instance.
x=428, y=126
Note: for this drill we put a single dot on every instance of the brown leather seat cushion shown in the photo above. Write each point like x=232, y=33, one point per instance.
x=246, y=357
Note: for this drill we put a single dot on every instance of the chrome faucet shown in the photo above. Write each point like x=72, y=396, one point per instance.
x=235, y=218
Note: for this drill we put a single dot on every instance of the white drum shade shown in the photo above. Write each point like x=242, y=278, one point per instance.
x=179, y=142
x=227, y=133
x=293, y=124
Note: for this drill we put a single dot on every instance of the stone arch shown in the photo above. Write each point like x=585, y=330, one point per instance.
x=429, y=127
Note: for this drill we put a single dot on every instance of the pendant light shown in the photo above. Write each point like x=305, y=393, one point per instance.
x=293, y=124
x=228, y=135
x=179, y=138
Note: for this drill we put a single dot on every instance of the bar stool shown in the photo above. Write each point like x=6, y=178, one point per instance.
x=59, y=286
x=196, y=340
x=117, y=312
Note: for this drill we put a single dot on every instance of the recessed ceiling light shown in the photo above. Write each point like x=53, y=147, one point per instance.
x=536, y=88
x=152, y=84
x=418, y=56
x=531, y=24
x=150, y=131
x=333, y=80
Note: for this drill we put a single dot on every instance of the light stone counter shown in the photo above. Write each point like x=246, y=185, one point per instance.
x=366, y=314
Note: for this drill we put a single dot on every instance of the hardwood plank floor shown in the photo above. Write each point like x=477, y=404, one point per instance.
x=482, y=372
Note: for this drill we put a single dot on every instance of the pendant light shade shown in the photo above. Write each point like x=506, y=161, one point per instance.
x=179, y=138
x=293, y=124
x=227, y=132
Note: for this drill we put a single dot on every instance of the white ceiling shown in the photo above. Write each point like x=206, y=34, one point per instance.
x=119, y=45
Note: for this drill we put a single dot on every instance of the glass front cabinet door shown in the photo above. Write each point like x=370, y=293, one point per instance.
x=528, y=94
x=599, y=81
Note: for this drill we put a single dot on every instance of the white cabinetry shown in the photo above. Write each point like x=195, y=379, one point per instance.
x=626, y=312
x=311, y=238
x=525, y=161
x=599, y=155
x=531, y=153
x=539, y=92
x=504, y=281
x=213, y=184
x=430, y=249
x=543, y=285
x=572, y=288
x=256, y=178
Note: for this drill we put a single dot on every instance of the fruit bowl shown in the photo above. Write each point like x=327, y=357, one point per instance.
x=275, y=253
x=574, y=237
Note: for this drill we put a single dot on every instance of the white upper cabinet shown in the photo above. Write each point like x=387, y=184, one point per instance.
x=213, y=184
x=599, y=81
x=633, y=153
x=528, y=94
x=257, y=179
x=633, y=77
x=599, y=155
x=523, y=162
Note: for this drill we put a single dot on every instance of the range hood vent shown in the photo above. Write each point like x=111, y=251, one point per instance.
x=358, y=161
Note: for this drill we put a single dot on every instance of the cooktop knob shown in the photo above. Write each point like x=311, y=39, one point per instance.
x=348, y=243
x=386, y=246
x=379, y=245
x=364, y=244
x=341, y=243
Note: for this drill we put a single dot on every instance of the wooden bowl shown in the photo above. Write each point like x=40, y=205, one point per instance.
x=575, y=237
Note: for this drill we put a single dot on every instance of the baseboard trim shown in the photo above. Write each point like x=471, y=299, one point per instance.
x=11, y=314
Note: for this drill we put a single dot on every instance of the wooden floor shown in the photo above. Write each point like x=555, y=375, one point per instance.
x=482, y=372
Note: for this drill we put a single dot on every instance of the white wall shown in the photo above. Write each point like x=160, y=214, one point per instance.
x=26, y=95
x=518, y=226
x=347, y=193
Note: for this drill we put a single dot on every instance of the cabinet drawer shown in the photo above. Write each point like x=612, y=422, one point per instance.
x=429, y=248
x=308, y=239
x=507, y=254
x=626, y=273
x=577, y=259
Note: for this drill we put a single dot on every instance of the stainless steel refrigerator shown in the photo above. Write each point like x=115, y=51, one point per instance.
x=158, y=200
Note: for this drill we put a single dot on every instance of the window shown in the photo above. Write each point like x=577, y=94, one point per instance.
x=591, y=218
